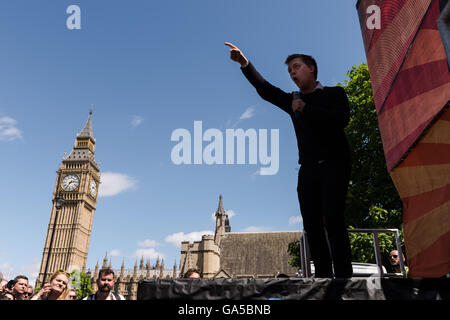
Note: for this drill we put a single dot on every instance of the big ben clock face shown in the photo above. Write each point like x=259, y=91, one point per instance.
x=70, y=182
x=93, y=188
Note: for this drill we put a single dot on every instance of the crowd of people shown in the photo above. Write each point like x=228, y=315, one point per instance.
x=59, y=287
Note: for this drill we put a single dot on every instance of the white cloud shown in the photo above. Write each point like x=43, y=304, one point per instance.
x=148, y=243
x=7, y=270
x=295, y=220
x=149, y=253
x=136, y=120
x=114, y=183
x=8, y=129
x=177, y=238
x=230, y=214
x=115, y=253
x=256, y=229
x=248, y=113
x=31, y=271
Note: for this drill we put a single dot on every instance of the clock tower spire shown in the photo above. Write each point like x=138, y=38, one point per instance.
x=77, y=180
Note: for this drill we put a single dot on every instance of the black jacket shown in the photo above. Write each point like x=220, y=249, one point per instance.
x=320, y=127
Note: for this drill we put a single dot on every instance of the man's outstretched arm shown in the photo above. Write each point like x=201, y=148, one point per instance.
x=267, y=91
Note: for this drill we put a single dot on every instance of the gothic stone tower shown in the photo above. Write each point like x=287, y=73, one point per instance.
x=77, y=181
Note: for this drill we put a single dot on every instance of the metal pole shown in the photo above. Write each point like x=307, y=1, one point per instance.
x=302, y=255
x=400, y=253
x=50, y=247
x=377, y=254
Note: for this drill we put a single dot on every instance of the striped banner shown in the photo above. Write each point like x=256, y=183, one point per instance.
x=411, y=84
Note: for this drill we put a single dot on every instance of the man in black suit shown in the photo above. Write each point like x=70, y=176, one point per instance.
x=319, y=115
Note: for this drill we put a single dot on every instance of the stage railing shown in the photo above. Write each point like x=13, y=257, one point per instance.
x=305, y=258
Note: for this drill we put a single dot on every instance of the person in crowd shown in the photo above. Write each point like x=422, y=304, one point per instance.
x=105, y=283
x=56, y=289
x=20, y=286
x=193, y=273
x=7, y=296
x=3, y=283
x=394, y=260
x=28, y=294
x=73, y=294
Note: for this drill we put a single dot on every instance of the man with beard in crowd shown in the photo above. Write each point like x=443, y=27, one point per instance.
x=105, y=283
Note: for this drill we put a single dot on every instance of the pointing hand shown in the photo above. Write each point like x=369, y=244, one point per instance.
x=237, y=55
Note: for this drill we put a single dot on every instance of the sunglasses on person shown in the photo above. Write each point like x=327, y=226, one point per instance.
x=63, y=271
x=27, y=294
x=394, y=256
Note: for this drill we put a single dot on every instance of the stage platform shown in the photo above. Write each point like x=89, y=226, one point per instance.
x=372, y=288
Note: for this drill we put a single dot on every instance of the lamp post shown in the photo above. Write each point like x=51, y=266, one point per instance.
x=58, y=202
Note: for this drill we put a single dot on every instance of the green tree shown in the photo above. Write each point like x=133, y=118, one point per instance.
x=372, y=199
x=81, y=282
x=370, y=183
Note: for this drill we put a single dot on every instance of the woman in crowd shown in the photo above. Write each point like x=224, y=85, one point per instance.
x=56, y=289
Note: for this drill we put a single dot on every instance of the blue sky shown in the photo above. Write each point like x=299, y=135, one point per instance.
x=149, y=68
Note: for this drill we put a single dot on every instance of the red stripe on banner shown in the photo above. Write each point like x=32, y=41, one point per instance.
x=394, y=155
x=419, y=205
x=433, y=262
x=428, y=154
x=384, y=85
x=433, y=15
x=408, y=86
x=388, y=12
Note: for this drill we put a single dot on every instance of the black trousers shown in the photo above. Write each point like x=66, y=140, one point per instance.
x=322, y=189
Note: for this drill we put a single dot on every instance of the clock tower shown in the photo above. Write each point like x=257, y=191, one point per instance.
x=69, y=229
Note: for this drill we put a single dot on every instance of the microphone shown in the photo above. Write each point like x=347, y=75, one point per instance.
x=296, y=96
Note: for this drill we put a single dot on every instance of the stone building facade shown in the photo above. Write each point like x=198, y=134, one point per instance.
x=229, y=254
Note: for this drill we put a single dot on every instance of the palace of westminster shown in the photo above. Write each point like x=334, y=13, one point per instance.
x=225, y=254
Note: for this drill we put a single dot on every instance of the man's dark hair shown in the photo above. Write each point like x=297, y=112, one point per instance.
x=308, y=60
x=16, y=279
x=191, y=271
x=10, y=284
x=105, y=272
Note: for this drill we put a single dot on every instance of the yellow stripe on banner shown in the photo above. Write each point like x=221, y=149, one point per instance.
x=393, y=38
x=439, y=133
x=427, y=48
x=434, y=225
x=411, y=181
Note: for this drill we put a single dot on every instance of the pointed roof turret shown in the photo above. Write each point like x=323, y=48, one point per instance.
x=105, y=261
x=84, y=147
x=220, y=209
x=135, y=270
x=96, y=271
x=175, y=269
x=222, y=222
x=86, y=132
x=141, y=265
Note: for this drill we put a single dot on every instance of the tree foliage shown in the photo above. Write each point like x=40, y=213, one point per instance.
x=370, y=183
x=81, y=282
